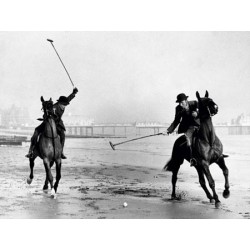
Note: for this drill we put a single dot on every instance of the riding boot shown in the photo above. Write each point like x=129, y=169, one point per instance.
x=193, y=161
x=62, y=139
x=31, y=149
x=32, y=144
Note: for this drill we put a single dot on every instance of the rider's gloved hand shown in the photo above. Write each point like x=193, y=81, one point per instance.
x=75, y=90
x=166, y=133
x=194, y=114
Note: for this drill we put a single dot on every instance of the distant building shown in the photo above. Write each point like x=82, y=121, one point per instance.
x=150, y=124
x=242, y=120
x=14, y=117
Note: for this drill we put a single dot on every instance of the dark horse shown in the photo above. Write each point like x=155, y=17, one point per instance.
x=48, y=148
x=207, y=149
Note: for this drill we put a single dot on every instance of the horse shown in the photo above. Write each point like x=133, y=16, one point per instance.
x=207, y=149
x=48, y=148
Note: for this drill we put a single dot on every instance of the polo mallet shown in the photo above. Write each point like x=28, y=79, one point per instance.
x=113, y=145
x=51, y=41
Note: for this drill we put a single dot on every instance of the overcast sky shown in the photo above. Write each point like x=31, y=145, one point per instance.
x=126, y=76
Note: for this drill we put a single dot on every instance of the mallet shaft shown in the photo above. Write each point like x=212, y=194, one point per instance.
x=51, y=41
x=113, y=145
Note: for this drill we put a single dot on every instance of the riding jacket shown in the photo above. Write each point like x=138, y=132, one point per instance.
x=184, y=118
x=58, y=112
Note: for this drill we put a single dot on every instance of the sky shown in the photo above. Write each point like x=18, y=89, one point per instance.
x=126, y=76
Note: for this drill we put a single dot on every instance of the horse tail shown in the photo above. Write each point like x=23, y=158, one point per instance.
x=170, y=166
x=165, y=168
x=178, y=155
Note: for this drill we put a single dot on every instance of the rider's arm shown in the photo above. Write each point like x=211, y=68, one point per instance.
x=72, y=95
x=195, y=111
x=177, y=119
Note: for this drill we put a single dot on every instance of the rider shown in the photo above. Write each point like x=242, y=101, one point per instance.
x=59, y=108
x=186, y=114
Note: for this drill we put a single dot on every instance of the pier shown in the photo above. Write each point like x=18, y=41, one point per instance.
x=113, y=130
x=100, y=130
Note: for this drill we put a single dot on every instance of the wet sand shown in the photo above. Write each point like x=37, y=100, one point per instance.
x=96, y=181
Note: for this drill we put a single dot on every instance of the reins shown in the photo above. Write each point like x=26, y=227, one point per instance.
x=53, y=137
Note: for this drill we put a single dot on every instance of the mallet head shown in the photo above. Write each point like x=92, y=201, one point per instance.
x=112, y=145
x=49, y=40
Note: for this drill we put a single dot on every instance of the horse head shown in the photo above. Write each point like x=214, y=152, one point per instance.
x=47, y=107
x=207, y=107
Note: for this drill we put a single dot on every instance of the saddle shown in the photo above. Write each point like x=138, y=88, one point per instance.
x=194, y=139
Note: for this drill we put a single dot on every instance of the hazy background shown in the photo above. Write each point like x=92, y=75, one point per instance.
x=126, y=76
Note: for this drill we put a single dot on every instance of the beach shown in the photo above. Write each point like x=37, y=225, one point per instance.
x=126, y=183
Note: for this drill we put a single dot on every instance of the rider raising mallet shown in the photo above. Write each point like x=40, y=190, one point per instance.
x=59, y=108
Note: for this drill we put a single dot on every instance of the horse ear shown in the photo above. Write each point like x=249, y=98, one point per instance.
x=198, y=95
x=42, y=100
x=50, y=99
x=206, y=95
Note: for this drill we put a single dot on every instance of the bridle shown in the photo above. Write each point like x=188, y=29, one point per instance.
x=209, y=111
x=48, y=114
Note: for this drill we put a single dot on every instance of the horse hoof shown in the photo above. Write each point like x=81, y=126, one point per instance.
x=212, y=201
x=53, y=194
x=217, y=204
x=174, y=197
x=226, y=193
x=29, y=181
x=54, y=197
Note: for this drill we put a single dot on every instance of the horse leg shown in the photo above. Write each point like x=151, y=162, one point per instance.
x=58, y=173
x=174, y=180
x=222, y=165
x=46, y=163
x=45, y=187
x=31, y=176
x=211, y=184
x=203, y=184
x=173, y=166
